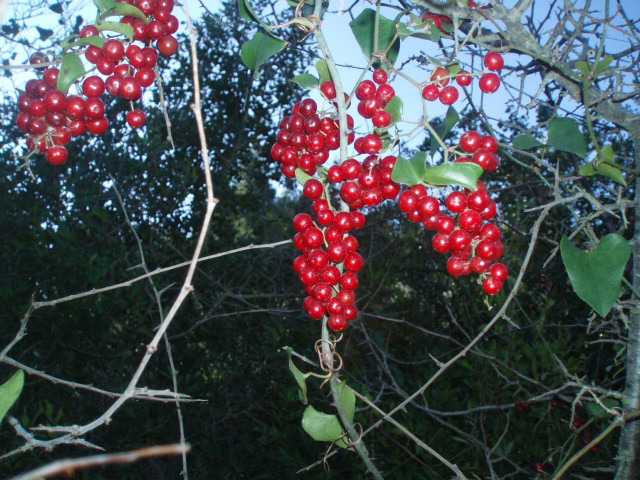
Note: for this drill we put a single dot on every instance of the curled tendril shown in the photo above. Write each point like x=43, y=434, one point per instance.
x=327, y=364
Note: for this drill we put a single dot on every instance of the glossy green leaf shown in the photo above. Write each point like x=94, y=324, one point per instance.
x=71, y=69
x=121, y=28
x=410, y=172
x=363, y=30
x=450, y=120
x=603, y=169
x=306, y=80
x=323, y=427
x=323, y=71
x=596, y=276
x=246, y=11
x=10, y=391
x=565, y=135
x=111, y=8
x=299, y=376
x=464, y=174
x=525, y=142
x=394, y=107
x=259, y=49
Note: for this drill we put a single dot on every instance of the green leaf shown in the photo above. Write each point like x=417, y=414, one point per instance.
x=418, y=31
x=259, y=49
x=323, y=71
x=596, y=410
x=247, y=12
x=96, y=41
x=603, y=169
x=363, y=29
x=302, y=177
x=583, y=67
x=410, y=172
x=450, y=120
x=465, y=174
x=348, y=400
x=602, y=65
x=306, y=80
x=525, y=142
x=110, y=8
x=121, y=28
x=596, y=276
x=10, y=391
x=71, y=69
x=299, y=376
x=394, y=107
x=323, y=427
x=565, y=135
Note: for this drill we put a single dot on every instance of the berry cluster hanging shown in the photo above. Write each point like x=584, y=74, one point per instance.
x=122, y=66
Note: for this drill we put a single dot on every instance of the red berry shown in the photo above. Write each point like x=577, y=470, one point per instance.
x=470, y=141
x=57, y=155
x=491, y=286
x=456, y=202
x=385, y=93
x=328, y=89
x=337, y=323
x=381, y=119
x=380, y=76
x=313, y=189
x=499, y=271
x=130, y=88
x=431, y=93
x=167, y=45
x=358, y=219
x=353, y=262
x=97, y=127
x=93, y=86
x=489, y=83
x=463, y=78
x=93, y=108
x=449, y=95
x=113, y=50
x=366, y=89
x=136, y=118
x=440, y=77
x=89, y=31
x=494, y=61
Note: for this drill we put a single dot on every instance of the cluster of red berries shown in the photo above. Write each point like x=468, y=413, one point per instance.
x=51, y=117
x=365, y=184
x=482, y=150
x=439, y=88
x=330, y=262
x=473, y=243
x=305, y=139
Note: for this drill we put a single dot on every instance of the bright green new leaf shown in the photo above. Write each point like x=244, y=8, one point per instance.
x=603, y=169
x=525, y=142
x=259, y=49
x=10, y=391
x=111, y=8
x=464, y=174
x=306, y=80
x=363, y=29
x=71, y=69
x=565, y=135
x=299, y=376
x=122, y=28
x=394, y=107
x=410, y=172
x=596, y=276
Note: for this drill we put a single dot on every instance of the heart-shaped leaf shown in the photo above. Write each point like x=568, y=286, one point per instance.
x=10, y=391
x=259, y=49
x=121, y=28
x=323, y=71
x=111, y=8
x=394, y=107
x=596, y=276
x=565, y=135
x=323, y=427
x=363, y=28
